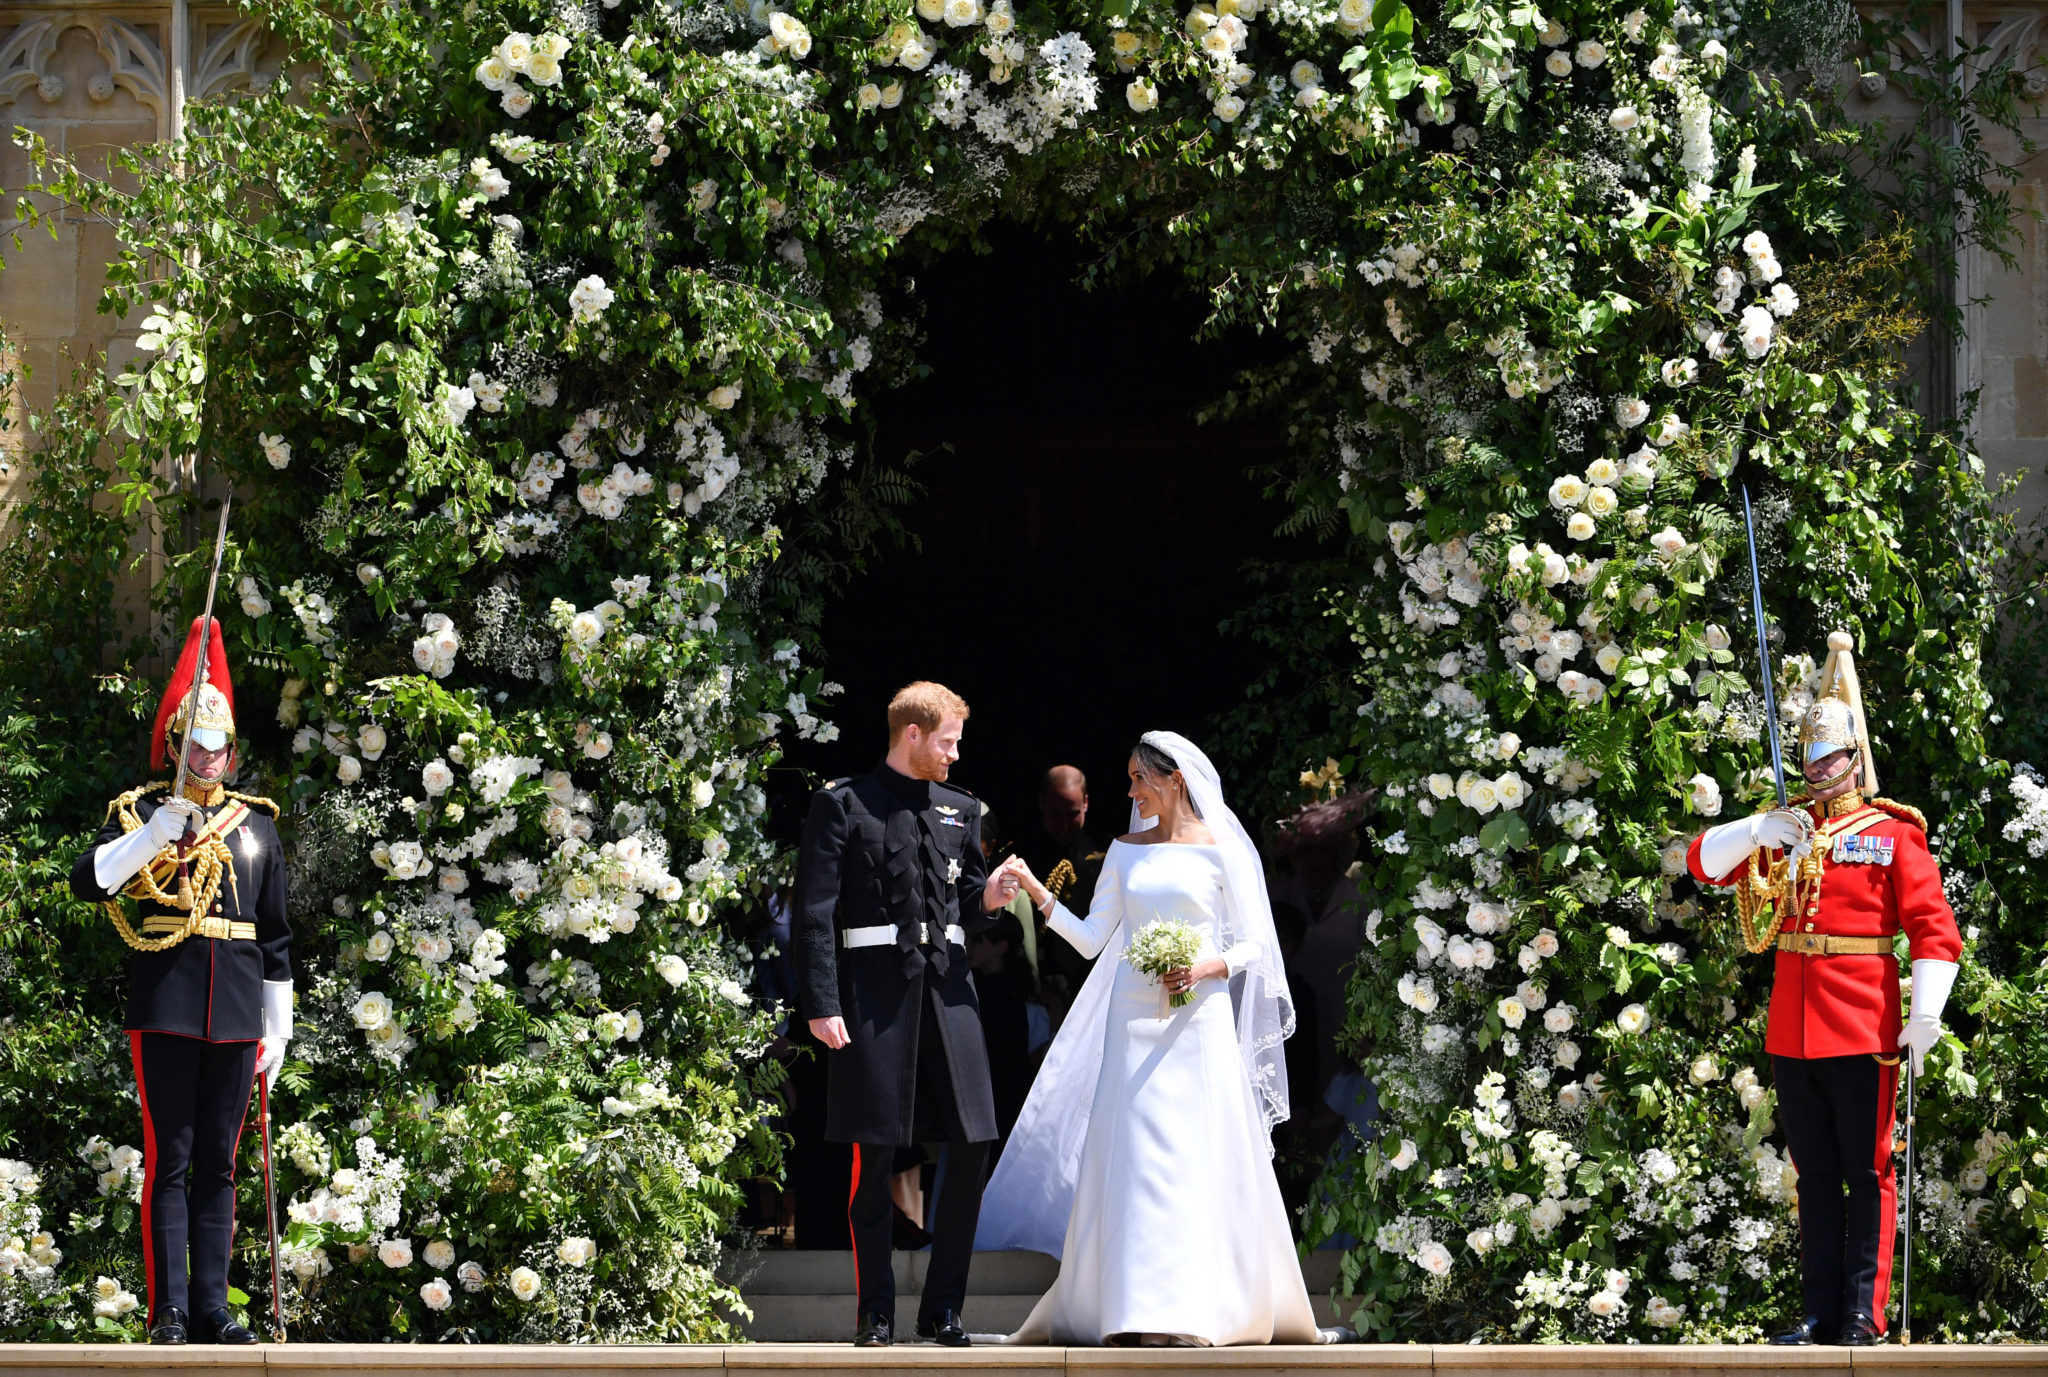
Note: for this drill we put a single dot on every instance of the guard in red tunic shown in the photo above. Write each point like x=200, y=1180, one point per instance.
x=1830, y=881
x=209, y=988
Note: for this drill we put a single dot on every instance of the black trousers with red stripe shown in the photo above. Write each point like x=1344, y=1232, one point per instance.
x=1837, y=1113
x=956, y=1195
x=195, y=1095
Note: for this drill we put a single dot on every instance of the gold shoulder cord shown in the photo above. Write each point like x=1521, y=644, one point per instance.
x=1061, y=880
x=195, y=895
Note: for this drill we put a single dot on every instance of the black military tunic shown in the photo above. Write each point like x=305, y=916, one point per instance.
x=195, y=1015
x=886, y=849
x=207, y=987
x=897, y=862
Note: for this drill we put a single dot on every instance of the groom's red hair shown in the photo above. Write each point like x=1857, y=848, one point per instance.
x=923, y=705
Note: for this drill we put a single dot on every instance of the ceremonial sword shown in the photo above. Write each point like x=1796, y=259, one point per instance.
x=1763, y=652
x=220, y=545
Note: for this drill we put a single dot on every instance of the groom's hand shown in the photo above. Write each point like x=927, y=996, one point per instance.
x=1002, y=885
x=830, y=1031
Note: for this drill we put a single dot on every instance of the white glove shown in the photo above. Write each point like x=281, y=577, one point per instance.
x=1932, y=980
x=277, y=1029
x=1729, y=845
x=172, y=818
x=115, y=864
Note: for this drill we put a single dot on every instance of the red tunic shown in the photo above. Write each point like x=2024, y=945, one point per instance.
x=1841, y=1006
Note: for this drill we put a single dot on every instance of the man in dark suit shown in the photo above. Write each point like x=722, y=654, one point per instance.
x=1070, y=860
x=891, y=883
x=209, y=988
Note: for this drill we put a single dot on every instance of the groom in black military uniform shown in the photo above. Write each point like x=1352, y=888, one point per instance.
x=890, y=885
x=209, y=986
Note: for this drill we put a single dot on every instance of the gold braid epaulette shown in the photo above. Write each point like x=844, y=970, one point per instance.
x=259, y=801
x=208, y=859
x=1905, y=812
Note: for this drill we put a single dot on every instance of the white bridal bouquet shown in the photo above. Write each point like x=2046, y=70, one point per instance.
x=1159, y=947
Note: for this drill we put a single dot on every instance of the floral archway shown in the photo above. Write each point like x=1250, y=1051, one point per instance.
x=524, y=329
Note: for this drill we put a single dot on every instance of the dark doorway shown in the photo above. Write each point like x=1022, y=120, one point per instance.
x=1081, y=538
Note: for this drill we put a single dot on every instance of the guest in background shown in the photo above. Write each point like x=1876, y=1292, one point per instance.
x=1319, y=846
x=1070, y=859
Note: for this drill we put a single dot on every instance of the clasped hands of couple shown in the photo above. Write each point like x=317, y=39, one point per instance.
x=1003, y=883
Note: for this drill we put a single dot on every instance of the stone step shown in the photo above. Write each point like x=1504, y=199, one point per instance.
x=929, y=1360
x=808, y=1297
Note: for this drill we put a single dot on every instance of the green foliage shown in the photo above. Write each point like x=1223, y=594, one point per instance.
x=530, y=334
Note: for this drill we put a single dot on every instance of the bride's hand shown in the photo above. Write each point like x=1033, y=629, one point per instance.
x=1186, y=977
x=1041, y=897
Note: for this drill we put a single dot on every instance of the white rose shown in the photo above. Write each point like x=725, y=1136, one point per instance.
x=516, y=101
x=1704, y=1071
x=599, y=746
x=1405, y=1156
x=395, y=1253
x=437, y=1294
x=1141, y=95
x=372, y=1011
x=1581, y=526
x=1716, y=636
x=1559, y=1019
x=1558, y=64
x=436, y=777
x=1633, y=1019
x=576, y=1252
x=349, y=769
x=471, y=1275
x=440, y=1255
x=1228, y=107
x=1441, y=786
x=525, y=1283
x=1566, y=1055
x=1511, y=1011
x=1608, y=658
x=1567, y=491
x=1706, y=795
x=672, y=969
x=1591, y=53
x=1668, y=542
x=1511, y=790
x=371, y=740
x=1601, y=502
x=1630, y=411
x=1434, y=1258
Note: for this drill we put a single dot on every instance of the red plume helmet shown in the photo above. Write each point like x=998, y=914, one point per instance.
x=180, y=687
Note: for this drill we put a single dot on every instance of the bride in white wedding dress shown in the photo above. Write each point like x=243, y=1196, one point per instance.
x=1142, y=1158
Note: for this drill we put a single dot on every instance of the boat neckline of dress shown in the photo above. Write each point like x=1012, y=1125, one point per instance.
x=1209, y=846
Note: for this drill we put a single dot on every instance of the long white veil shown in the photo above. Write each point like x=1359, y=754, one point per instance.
x=1032, y=1192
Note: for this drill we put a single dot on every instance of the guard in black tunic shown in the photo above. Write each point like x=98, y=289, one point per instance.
x=890, y=884
x=209, y=989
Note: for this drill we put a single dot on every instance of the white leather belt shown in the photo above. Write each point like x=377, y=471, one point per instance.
x=884, y=935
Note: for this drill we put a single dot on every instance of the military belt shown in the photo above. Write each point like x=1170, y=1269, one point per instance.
x=221, y=929
x=884, y=935
x=1832, y=944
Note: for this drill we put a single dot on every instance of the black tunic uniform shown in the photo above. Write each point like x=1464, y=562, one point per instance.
x=889, y=851
x=195, y=1013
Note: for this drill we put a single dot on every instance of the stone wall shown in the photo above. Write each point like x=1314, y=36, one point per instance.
x=97, y=75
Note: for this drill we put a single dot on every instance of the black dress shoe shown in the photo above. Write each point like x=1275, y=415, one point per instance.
x=169, y=1327
x=219, y=1327
x=1860, y=1331
x=946, y=1329
x=1808, y=1331
x=875, y=1332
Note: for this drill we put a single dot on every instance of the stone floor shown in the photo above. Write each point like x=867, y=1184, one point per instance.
x=771, y=1360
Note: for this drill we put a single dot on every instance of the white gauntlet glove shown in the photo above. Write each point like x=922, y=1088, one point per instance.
x=1932, y=980
x=277, y=1029
x=115, y=864
x=1727, y=846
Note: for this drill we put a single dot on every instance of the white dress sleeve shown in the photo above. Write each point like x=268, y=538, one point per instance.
x=1240, y=956
x=1089, y=935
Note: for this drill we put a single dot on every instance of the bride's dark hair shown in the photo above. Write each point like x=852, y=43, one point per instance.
x=1162, y=766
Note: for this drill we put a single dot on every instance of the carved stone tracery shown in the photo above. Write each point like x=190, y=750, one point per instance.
x=135, y=59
